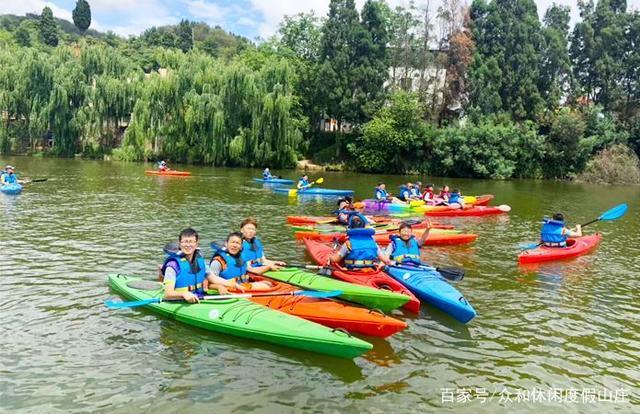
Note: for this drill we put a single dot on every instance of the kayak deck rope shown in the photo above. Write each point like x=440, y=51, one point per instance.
x=285, y=301
x=242, y=308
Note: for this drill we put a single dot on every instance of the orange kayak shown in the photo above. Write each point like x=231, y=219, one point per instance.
x=328, y=312
x=434, y=239
x=172, y=173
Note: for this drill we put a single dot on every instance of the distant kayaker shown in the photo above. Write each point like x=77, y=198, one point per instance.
x=303, y=183
x=185, y=272
x=404, y=247
x=444, y=193
x=416, y=191
x=8, y=176
x=162, y=166
x=266, y=174
x=555, y=234
x=360, y=250
x=381, y=194
x=228, y=265
x=253, y=251
x=455, y=199
x=428, y=196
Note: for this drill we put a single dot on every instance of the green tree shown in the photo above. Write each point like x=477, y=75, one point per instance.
x=48, y=28
x=184, y=34
x=555, y=74
x=82, y=15
x=509, y=37
x=301, y=34
x=22, y=36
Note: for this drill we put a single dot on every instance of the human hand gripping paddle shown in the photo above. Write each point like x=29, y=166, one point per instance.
x=612, y=214
x=308, y=293
x=294, y=191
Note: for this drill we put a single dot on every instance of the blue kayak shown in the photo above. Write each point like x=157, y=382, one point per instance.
x=429, y=286
x=14, y=188
x=273, y=181
x=316, y=191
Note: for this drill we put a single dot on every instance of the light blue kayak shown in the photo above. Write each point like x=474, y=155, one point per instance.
x=273, y=181
x=316, y=191
x=14, y=188
x=429, y=286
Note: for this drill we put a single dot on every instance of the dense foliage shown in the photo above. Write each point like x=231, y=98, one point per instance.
x=486, y=90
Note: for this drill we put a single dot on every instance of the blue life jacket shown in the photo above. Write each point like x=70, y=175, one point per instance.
x=404, y=193
x=455, y=198
x=10, y=178
x=303, y=184
x=232, y=266
x=405, y=252
x=362, y=248
x=189, y=278
x=252, y=252
x=266, y=175
x=552, y=233
x=381, y=195
x=415, y=192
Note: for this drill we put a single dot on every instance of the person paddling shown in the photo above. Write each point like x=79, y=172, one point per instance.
x=228, y=265
x=382, y=196
x=266, y=174
x=253, y=250
x=184, y=273
x=554, y=233
x=8, y=176
x=303, y=183
x=360, y=250
x=404, y=247
x=162, y=166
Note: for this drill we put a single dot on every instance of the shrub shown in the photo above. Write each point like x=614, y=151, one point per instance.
x=617, y=164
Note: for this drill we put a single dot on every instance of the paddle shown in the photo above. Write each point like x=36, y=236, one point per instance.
x=451, y=273
x=611, y=214
x=308, y=293
x=454, y=274
x=294, y=191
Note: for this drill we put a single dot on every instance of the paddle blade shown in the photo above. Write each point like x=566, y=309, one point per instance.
x=293, y=193
x=120, y=305
x=320, y=180
x=504, y=208
x=315, y=294
x=451, y=273
x=614, y=213
x=528, y=246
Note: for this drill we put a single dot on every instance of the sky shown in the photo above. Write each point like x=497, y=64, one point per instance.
x=249, y=18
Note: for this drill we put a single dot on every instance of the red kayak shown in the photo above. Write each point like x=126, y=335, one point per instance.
x=575, y=247
x=472, y=211
x=171, y=173
x=483, y=200
x=434, y=239
x=320, y=252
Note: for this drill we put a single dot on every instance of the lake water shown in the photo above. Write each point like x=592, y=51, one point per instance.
x=561, y=337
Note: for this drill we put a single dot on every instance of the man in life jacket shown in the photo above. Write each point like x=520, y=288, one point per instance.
x=303, y=183
x=162, y=166
x=360, y=250
x=405, y=192
x=381, y=195
x=266, y=174
x=555, y=234
x=228, y=269
x=253, y=251
x=184, y=273
x=8, y=176
x=404, y=247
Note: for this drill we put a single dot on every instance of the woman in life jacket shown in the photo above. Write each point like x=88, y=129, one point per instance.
x=360, y=250
x=428, y=196
x=184, y=273
x=554, y=233
x=444, y=193
x=455, y=199
x=253, y=251
x=227, y=264
x=404, y=247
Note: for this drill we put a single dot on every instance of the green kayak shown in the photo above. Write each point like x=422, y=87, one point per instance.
x=382, y=299
x=243, y=318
